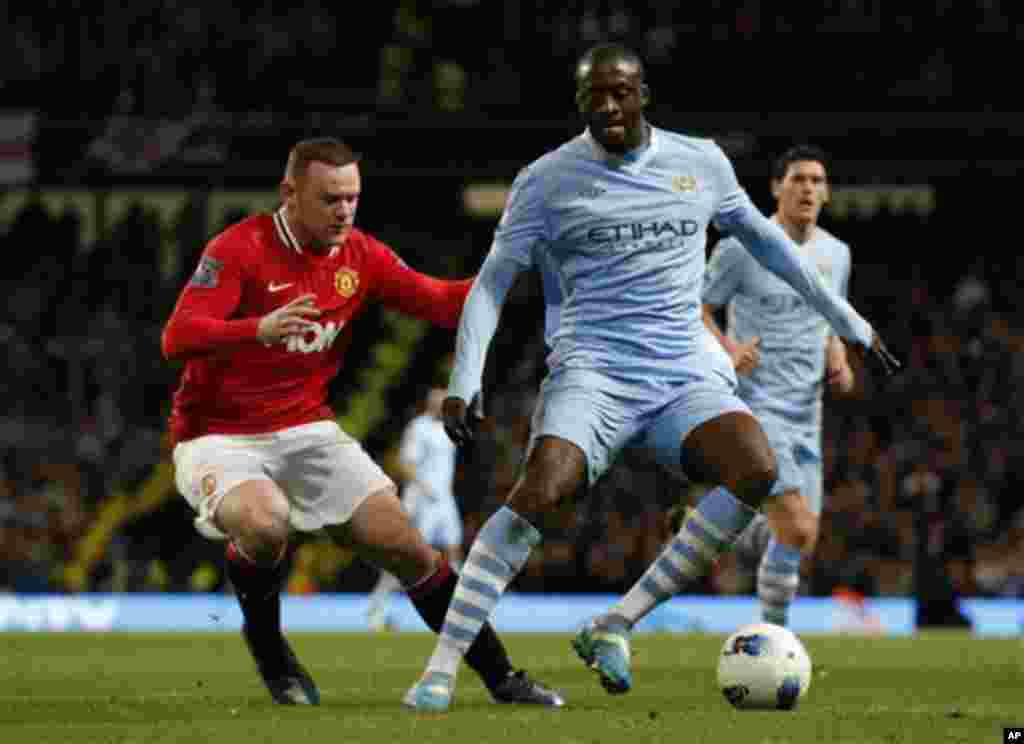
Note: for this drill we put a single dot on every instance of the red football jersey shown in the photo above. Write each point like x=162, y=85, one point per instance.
x=235, y=384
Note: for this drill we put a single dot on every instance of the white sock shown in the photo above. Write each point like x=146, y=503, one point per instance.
x=380, y=596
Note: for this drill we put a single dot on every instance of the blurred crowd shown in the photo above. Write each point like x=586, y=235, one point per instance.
x=923, y=474
x=179, y=80
x=418, y=52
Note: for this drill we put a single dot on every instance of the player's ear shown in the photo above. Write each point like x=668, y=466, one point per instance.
x=645, y=94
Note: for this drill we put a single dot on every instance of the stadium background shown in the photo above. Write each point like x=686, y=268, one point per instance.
x=128, y=135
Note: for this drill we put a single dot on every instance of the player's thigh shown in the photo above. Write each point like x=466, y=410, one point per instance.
x=382, y=534
x=710, y=432
x=785, y=443
x=226, y=481
x=578, y=429
x=327, y=476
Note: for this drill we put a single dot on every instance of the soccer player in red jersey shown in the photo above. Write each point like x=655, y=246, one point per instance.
x=262, y=326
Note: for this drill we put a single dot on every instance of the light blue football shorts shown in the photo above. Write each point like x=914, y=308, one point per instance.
x=602, y=414
x=797, y=449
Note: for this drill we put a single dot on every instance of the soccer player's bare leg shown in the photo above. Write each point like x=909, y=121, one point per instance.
x=731, y=450
x=382, y=534
x=554, y=471
x=254, y=515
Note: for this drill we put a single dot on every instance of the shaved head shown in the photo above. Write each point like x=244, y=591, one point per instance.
x=608, y=54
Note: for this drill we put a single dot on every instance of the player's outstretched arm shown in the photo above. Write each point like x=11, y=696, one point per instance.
x=768, y=243
x=438, y=301
x=197, y=329
x=479, y=322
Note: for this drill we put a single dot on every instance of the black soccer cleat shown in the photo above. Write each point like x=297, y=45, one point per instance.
x=285, y=678
x=519, y=689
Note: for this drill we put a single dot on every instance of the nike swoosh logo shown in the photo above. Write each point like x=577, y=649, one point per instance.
x=278, y=287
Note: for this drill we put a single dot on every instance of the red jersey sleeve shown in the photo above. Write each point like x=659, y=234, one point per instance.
x=201, y=322
x=399, y=287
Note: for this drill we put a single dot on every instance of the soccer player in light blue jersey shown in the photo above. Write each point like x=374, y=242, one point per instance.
x=784, y=355
x=621, y=212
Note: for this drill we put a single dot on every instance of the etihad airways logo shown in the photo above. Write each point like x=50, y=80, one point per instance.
x=640, y=230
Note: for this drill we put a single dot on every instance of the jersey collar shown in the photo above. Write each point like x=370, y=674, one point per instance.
x=286, y=236
x=633, y=158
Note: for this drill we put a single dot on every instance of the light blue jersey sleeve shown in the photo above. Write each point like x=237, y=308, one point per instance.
x=522, y=227
x=554, y=295
x=723, y=276
x=767, y=242
x=844, y=271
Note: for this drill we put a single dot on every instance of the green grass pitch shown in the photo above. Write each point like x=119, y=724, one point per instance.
x=938, y=687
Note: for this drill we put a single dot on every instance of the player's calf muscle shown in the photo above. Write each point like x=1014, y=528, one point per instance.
x=792, y=521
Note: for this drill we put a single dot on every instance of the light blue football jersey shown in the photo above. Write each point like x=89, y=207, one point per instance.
x=625, y=240
x=789, y=379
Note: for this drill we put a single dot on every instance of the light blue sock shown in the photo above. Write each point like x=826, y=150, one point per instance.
x=778, y=578
x=499, y=552
x=707, y=532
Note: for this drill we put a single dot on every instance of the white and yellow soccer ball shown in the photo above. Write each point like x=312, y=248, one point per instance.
x=764, y=667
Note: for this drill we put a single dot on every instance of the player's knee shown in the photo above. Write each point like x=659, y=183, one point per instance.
x=264, y=530
x=534, y=496
x=753, y=483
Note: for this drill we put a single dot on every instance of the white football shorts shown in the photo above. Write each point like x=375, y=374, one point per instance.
x=324, y=473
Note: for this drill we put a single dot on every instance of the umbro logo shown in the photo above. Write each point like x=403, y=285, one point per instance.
x=278, y=287
x=591, y=192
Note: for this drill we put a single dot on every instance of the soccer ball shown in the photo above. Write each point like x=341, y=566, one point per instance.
x=764, y=667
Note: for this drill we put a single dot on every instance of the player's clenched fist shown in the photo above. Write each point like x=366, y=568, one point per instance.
x=288, y=319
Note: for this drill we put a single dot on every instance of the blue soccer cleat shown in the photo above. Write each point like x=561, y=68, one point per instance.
x=605, y=649
x=432, y=694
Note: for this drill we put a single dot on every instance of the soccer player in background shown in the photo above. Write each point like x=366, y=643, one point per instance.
x=784, y=354
x=426, y=465
x=622, y=211
x=263, y=325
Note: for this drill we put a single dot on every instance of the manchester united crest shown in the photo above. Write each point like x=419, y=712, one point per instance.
x=208, y=485
x=346, y=281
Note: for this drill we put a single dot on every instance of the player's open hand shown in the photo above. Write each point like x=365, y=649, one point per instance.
x=288, y=320
x=879, y=356
x=461, y=420
x=746, y=355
